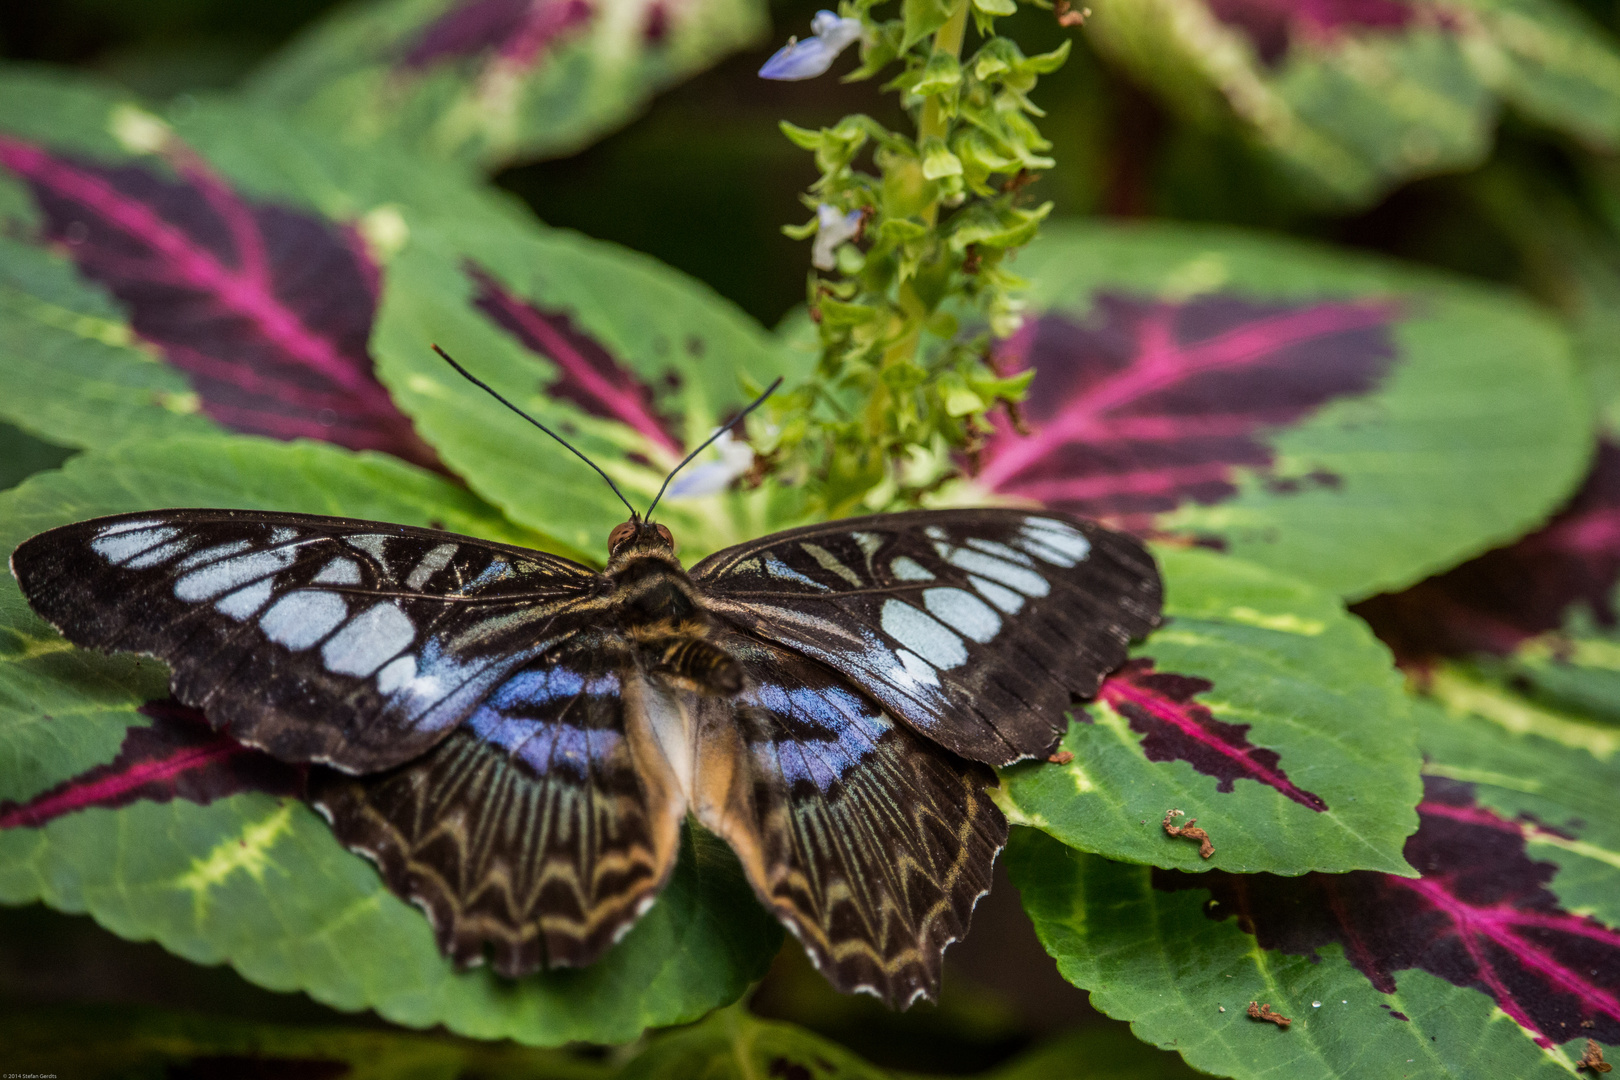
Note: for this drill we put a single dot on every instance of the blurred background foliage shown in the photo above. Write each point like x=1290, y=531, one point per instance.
x=1537, y=207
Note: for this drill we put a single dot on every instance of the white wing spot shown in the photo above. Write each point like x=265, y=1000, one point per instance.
x=868, y=542
x=913, y=670
x=123, y=542
x=212, y=554
x=779, y=569
x=831, y=562
x=301, y=618
x=963, y=612
x=128, y=526
x=370, y=638
x=1054, y=541
x=1005, y=599
x=934, y=532
x=1000, y=551
x=905, y=568
x=431, y=564
x=281, y=534
x=1025, y=581
x=922, y=634
x=396, y=674
x=244, y=603
x=339, y=571
x=159, y=555
x=370, y=543
x=232, y=573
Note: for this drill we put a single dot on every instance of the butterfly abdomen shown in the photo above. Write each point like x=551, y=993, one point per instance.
x=699, y=662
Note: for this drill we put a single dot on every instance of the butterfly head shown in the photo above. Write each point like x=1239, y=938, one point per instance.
x=637, y=534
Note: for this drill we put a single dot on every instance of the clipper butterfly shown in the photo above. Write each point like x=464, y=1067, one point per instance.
x=515, y=738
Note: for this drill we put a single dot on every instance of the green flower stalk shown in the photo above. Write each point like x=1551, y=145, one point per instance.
x=911, y=282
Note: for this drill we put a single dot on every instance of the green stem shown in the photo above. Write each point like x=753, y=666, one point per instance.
x=934, y=123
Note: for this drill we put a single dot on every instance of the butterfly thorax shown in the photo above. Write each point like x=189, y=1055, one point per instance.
x=657, y=608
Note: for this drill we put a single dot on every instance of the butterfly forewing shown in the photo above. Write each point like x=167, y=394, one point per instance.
x=976, y=627
x=541, y=828
x=870, y=843
x=318, y=639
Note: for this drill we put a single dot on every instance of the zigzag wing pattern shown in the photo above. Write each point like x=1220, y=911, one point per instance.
x=539, y=830
x=869, y=842
x=976, y=627
x=353, y=643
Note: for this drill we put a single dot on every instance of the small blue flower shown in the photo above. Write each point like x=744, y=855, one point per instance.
x=813, y=56
x=832, y=229
x=713, y=477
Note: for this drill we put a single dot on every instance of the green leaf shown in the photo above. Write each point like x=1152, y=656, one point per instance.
x=1349, y=111
x=438, y=76
x=22, y=455
x=119, y=1042
x=1410, y=998
x=74, y=372
x=107, y=212
x=922, y=17
x=619, y=353
x=732, y=1045
x=1379, y=423
x=260, y=882
x=1321, y=704
x=1184, y=981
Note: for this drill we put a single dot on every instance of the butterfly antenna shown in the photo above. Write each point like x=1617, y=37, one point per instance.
x=484, y=386
x=719, y=431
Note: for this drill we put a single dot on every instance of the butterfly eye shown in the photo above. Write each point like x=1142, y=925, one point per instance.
x=619, y=535
x=665, y=535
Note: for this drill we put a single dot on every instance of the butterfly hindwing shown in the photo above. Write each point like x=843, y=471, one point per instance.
x=540, y=829
x=870, y=843
x=977, y=627
x=353, y=643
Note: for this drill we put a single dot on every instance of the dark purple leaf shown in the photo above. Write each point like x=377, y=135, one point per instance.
x=1272, y=25
x=587, y=374
x=177, y=756
x=515, y=31
x=1147, y=405
x=266, y=308
x=1493, y=603
x=1481, y=916
x=1159, y=706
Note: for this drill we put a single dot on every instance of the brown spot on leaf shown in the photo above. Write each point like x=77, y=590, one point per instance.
x=1258, y=1011
x=1592, y=1060
x=1189, y=831
x=1062, y=757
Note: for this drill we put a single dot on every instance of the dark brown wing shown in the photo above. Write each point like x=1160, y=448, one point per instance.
x=354, y=643
x=539, y=830
x=976, y=627
x=869, y=842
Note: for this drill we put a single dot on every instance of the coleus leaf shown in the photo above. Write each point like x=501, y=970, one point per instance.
x=1495, y=603
x=255, y=879
x=631, y=361
x=1376, y=972
x=1352, y=98
x=267, y=309
x=1262, y=710
x=493, y=81
x=231, y=248
x=1348, y=421
x=177, y=755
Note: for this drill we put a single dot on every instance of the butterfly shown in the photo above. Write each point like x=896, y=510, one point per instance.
x=515, y=739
